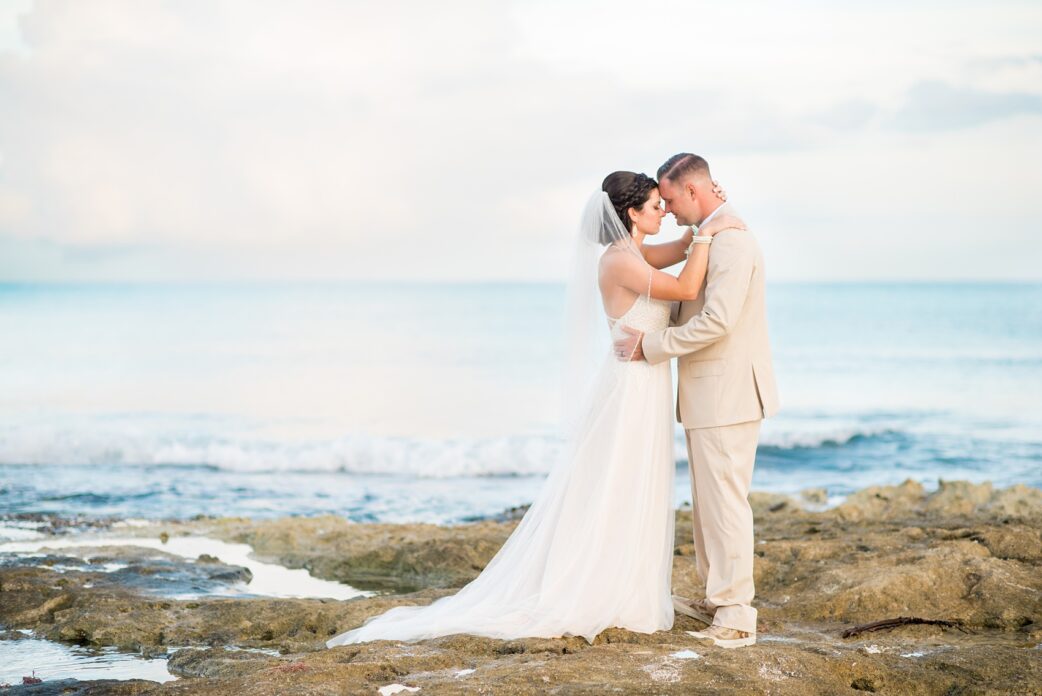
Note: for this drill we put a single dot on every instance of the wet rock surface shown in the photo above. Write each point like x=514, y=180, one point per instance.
x=73, y=687
x=133, y=567
x=48, y=523
x=966, y=553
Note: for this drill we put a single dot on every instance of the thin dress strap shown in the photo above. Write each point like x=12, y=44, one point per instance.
x=651, y=272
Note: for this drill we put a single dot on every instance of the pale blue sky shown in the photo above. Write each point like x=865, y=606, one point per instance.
x=458, y=140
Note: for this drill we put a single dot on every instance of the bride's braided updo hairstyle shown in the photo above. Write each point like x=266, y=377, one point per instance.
x=626, y=190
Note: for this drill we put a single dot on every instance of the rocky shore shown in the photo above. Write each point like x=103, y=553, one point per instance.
x=965, y=555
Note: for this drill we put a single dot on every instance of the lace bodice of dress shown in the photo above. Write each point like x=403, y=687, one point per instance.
x=646, y=314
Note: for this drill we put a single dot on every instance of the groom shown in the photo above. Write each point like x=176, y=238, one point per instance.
x=726, y=387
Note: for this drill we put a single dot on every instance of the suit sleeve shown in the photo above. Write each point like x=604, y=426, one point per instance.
x=730, y=271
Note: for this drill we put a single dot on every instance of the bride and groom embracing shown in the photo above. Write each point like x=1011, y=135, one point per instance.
x=595, y=549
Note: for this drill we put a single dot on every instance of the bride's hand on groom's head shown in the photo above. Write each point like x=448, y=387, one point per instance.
x=629, y=348
x=719, y=190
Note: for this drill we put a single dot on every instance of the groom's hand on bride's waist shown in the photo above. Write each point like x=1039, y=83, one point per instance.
x=629, y=348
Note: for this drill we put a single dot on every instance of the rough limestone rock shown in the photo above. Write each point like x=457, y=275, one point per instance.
x=372, y=556
x=965, y=553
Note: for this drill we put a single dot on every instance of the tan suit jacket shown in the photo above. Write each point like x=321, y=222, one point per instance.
x=725, y=375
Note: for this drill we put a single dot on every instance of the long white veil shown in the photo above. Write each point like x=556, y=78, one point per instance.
x=587, y=338
x=595, y=548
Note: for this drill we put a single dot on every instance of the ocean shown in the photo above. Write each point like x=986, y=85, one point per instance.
x=440, y=403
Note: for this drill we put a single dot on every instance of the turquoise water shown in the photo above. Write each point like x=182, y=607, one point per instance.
x=440, y=402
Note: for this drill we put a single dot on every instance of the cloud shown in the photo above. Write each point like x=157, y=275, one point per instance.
x=939, y=106
x=169, y=123
x=853, y=114
x=454, y=140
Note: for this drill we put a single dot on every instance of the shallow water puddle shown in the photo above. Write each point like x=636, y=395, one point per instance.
x=269, y=579
x=50, y=661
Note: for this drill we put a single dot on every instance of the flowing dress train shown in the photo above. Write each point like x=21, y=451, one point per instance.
x=595, y=549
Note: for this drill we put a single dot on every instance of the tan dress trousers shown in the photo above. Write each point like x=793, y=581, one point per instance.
x=721, y=461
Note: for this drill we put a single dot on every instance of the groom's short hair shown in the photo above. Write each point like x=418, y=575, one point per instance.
x=679, y=166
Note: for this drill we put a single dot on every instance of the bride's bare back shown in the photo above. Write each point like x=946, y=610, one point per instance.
x=616, y=297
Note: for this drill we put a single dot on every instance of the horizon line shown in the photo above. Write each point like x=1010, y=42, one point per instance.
x=416, y=281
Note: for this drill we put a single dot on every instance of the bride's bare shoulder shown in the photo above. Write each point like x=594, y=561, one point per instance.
x=611, y=260
x=618, y=267
x=614, y=257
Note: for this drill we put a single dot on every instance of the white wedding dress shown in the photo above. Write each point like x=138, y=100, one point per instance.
x=595, y=549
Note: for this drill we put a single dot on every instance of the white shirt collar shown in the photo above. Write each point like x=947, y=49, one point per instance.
x=712, y=214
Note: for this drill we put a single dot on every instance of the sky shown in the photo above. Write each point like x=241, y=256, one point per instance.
x=226, y=140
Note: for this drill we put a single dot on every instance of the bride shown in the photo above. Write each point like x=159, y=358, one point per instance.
x=595, y=549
